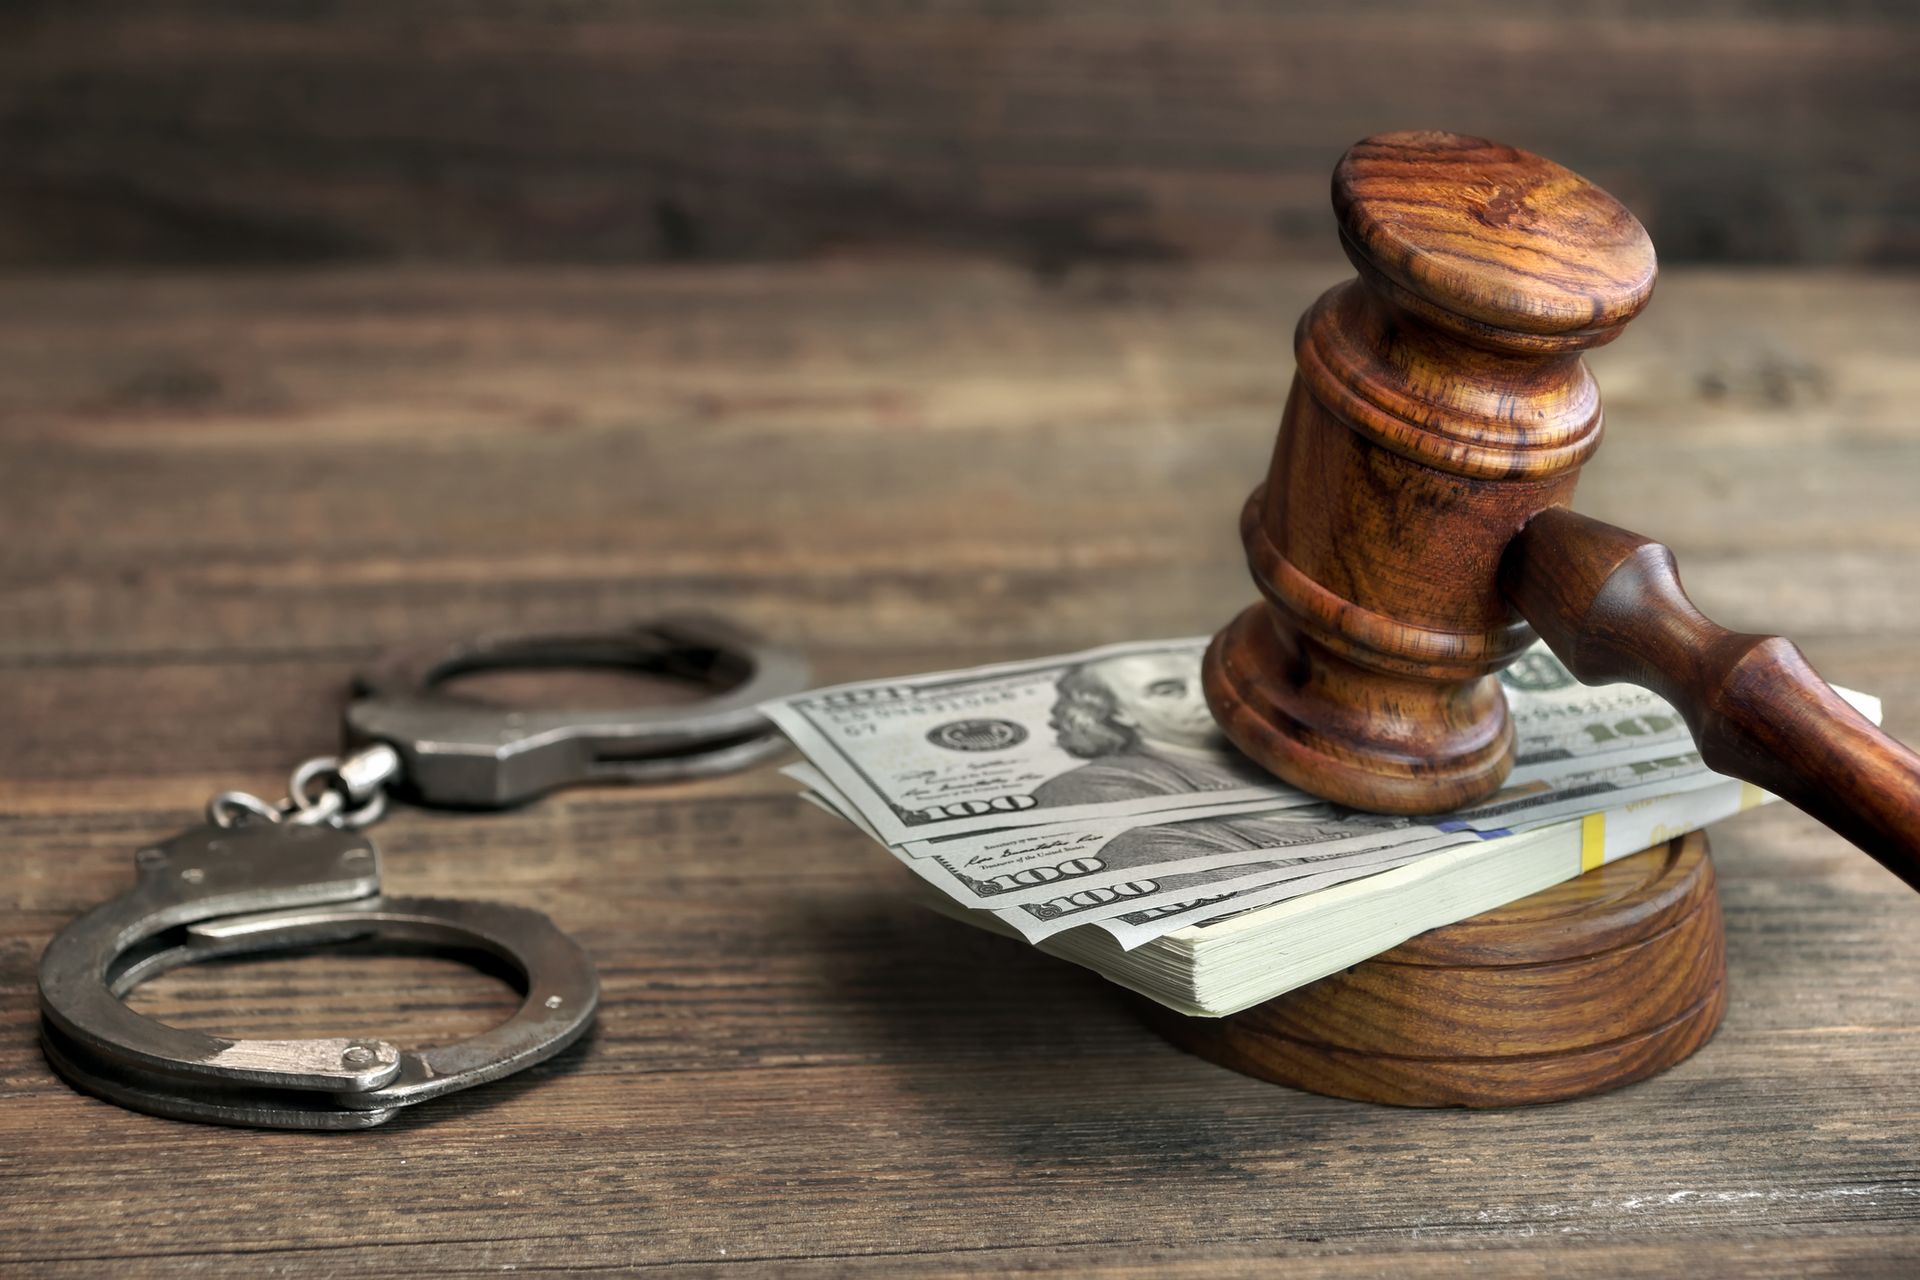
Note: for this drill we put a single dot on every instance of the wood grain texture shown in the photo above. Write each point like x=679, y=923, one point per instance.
x=223, y=493
x=1413, y=518
x=1483, y=232
x=1060, y=136
x=1440, y=403
x=1610, y=604
x=1595, y=983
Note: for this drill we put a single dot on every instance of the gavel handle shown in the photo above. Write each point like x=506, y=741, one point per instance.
x=1610, y=605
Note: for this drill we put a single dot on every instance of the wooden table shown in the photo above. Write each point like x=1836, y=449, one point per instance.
x=221, y=493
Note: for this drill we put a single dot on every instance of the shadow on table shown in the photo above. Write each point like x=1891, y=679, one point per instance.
x=480, y=1099
x=1009, y=1046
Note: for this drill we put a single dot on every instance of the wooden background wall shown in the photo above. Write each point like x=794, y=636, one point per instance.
x=1050, y=133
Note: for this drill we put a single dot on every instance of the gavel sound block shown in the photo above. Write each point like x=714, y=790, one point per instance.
x=1410, y=538
x=1597, y=982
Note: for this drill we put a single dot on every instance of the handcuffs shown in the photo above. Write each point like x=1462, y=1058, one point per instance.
x=262, y=877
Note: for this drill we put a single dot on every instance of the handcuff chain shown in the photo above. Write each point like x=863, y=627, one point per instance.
x=359, y=780
x=263, y=877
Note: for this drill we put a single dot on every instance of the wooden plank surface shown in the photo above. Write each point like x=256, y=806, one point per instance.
x=221, y=493
x=1052, y=134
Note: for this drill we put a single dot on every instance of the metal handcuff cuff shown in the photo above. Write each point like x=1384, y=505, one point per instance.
x=262, y=877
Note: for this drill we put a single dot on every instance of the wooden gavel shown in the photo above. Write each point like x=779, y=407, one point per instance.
x=1412, y=533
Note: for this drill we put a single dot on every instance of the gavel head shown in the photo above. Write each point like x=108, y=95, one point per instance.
x=1439, y=402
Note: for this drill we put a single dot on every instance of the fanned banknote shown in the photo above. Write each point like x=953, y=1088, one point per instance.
x=1094, y=789
x=1123, y=731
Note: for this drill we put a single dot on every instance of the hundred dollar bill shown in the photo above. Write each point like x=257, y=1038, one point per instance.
x=1587, y=750
x=1040, y=864
x=1037, y=921
x=1183, y=884
x=1260, y=834
x=1597, y=785
x=1117, y=732
x=1106, y=733
x=1034, y=864
x=1043, y=880
x=1037, y=864
x=1558, y=721
x=1632, y=825
x=1136, y=927
x=1138, y=877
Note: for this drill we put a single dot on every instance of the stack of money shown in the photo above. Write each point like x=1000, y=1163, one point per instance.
x=1090, y=805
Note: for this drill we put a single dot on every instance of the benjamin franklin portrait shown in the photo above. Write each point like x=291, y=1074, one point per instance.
x=1142, y=725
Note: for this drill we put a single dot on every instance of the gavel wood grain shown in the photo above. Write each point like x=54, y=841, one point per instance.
x=1609, y=603
x=1592, y=984
x=1412, y=532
